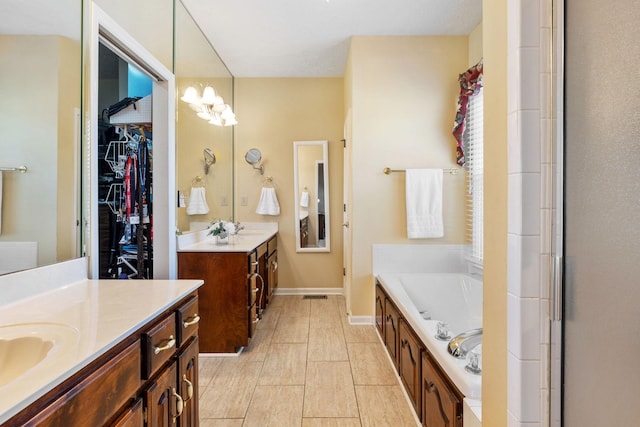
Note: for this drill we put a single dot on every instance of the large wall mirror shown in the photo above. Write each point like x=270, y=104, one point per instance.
x=204, y=147
x=311, y=185
x=40, y=101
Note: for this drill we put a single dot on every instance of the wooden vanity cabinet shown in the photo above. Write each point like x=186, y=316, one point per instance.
x=380, y=298
x=304, y=232
x=409, y=356
x=262, y=280
x=441, y=401
x=391, y=331
x=141, y=378
x=227, y=300
x=272, y=266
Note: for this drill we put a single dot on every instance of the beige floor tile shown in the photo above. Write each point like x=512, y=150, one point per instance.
x=221, y=422
x=258, y=347
x=329, y=422
x=384, y=406
x=370, y=364
x=286, y=364
x=270, y=318
x=360, y=333
x=207, y=368
x=327, y=344
x=291, y=330
x=324, y=314
x=329, y=390
x=295, y=306
x=229, y=392
x=276, y=406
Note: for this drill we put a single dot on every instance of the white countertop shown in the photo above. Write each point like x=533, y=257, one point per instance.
x=100, y=313
x=246, y=240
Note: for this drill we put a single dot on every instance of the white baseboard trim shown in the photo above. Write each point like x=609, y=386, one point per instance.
x=308, y=291
x=361, y=320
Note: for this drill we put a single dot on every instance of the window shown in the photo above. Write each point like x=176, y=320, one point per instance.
x=473, y=143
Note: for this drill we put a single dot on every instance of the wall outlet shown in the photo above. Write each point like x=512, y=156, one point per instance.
x=244, y=201
x=224, y=201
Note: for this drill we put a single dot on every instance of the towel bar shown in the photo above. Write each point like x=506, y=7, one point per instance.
x=22, y=169
x=387, y=171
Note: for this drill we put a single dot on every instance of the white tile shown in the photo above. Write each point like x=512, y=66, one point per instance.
x=530, y=78
x=545, y=141
x=514, y=207
x=545, y=14
x=530, y=203
x=514, y=145
x=513, y=26
x=530, y=286
x=514, y=339
x=513, y=81
x=545, y=50
x=524, y=332
x=514, y=263
x=546, y=186
x=545, y=271
x=545, y=92
x=512, y=421
x=529, y=23
x=524, y=390
x=529, y=132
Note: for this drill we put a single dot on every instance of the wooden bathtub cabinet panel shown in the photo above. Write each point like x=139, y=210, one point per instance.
x=441, y=405
x=391, y=334
x=223, y=299
x=410, y=355
x=380, y=297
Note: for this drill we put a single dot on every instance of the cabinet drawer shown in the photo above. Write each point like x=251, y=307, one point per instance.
x=272, y=245
x=188, y=319
x=159, y=344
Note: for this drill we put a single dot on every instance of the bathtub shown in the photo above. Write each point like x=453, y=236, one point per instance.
x=450, y=297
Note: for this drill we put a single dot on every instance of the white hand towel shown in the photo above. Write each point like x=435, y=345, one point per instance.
x=304, y=199
x=268, y=204
x=197, y=202
x=424, y=203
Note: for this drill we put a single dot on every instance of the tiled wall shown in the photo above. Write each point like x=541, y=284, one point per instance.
x=529, y=213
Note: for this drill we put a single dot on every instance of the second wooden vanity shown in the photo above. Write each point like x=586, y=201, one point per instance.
x=239, y=278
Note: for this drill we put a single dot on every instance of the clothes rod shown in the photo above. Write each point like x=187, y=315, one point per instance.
x=22, y=169
x=387, y=171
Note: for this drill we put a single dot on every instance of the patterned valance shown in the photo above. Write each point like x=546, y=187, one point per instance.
x=470, y=84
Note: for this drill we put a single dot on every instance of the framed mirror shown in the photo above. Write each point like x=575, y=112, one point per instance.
x=311, y=189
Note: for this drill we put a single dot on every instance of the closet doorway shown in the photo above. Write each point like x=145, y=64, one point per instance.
x=131, y=158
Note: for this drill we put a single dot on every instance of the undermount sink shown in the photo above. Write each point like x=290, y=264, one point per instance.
x=24, y=347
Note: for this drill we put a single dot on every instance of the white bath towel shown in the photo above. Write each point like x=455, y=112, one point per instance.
x=304, y=199
x=268, y=204
x=424, y=203
x=197, y=202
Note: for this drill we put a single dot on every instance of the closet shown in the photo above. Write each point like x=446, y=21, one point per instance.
x=125, y=164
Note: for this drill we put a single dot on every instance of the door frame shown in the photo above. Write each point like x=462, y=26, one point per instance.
x=164, y=241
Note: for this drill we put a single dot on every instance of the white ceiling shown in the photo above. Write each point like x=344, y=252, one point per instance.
x=310, y=38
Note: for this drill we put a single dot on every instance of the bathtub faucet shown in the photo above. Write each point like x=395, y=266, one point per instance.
x=463, y=343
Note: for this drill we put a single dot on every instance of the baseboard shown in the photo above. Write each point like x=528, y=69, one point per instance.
x=308, y=291
x=361, y=320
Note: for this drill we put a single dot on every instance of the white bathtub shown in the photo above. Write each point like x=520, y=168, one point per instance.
x=449, y=297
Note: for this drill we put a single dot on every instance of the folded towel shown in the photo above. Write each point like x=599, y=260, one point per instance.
x=197, y=202
x=424, y=203
x=304, y=199
x=268, y=204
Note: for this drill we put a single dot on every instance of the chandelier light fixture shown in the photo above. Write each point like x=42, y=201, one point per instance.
x=209, y=106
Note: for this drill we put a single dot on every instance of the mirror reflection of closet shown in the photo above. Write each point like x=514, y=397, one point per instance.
x=311, y=185
x=40, y=99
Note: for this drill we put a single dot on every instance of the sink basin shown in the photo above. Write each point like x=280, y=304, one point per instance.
x=26, y=346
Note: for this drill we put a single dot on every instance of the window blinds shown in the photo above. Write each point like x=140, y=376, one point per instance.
x=473, y=143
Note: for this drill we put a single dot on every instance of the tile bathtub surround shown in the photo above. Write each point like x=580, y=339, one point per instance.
x=306, y=366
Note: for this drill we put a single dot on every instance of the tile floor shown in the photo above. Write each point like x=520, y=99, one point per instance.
x=305, y=367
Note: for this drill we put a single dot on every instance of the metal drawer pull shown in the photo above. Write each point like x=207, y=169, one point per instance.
x=255, y=291
x=256, y=321
x=170, y=344
x=189, y=388
x=191, y=321
x=179, y=403
x=274, y=266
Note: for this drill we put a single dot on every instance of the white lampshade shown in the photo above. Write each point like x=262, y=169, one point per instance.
x=227, y=113
x=215, y=119
x=190, y=95
x=208, y=95
x=231, y=121
x=204, y=113
x=218, y=101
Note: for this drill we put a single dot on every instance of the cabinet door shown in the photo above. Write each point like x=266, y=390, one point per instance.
x=162, y=400
x=440, y=405
x=391, y=333
x=410, y=353
x=380, y=310
x=132, y=417
x=188, y=382
x=272, y=276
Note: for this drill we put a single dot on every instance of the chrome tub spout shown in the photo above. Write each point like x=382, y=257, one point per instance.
x=461, y=344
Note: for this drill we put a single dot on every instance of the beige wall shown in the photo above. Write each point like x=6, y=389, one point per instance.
x=403, y=93
x=33, y=202
x=272, y=113
x=494, y=345
x=475, y=45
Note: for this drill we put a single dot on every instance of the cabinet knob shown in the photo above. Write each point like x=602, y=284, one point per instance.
x=171, y=342
x=191, y=321
x=179, y=404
